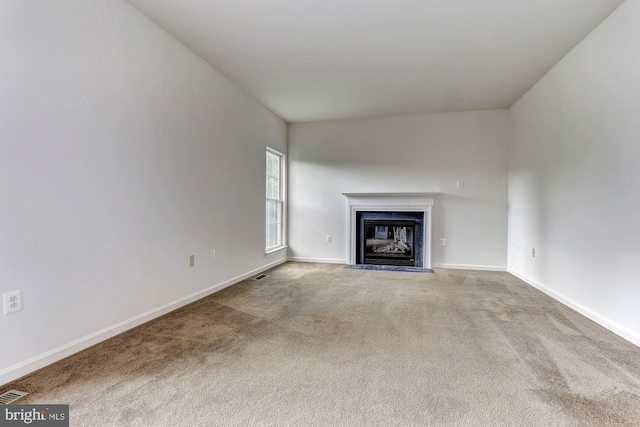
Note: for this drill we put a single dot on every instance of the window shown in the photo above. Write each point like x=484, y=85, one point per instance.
x=275, y=201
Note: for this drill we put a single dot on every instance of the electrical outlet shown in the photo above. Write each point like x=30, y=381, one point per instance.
x=12, y=302
x=213, y=255
x=533, y=252
x=329, y=239
x=192, y=260
x=443, y=242
x=459, y=184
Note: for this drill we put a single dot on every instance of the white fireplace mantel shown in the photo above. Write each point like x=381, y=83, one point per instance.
x=391, y=202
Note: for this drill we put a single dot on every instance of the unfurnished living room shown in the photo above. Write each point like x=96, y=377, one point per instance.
x=320, y=213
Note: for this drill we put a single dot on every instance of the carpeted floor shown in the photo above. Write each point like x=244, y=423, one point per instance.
x=321, y=345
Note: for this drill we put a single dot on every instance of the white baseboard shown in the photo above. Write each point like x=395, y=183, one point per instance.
x=21, y=369
x=449, y=266
x=318, y=260
x=622, y=331
x=471, y=267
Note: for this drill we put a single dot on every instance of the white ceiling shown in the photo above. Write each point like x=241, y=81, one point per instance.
x=310, y=60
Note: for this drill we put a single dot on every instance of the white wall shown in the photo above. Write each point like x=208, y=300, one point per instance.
x=416, y=153
x=573, y=172
x=121, y=153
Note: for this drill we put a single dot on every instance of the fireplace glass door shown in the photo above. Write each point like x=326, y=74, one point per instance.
x=389, y=242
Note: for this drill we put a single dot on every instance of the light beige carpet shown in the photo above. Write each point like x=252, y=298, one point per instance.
x=321, y=345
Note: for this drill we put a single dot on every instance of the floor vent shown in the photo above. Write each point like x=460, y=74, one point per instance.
x=11, y=396
x=260, y=277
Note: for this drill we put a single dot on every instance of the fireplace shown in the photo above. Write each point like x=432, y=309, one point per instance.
x=389, y=238
x=390, y=230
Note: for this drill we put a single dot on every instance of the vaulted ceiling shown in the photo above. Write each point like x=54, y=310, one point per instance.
x=309, y=60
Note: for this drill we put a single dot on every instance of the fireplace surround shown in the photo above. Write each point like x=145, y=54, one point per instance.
x=398, y=229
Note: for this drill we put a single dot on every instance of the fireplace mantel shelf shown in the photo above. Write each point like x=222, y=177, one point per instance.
x=391, y=196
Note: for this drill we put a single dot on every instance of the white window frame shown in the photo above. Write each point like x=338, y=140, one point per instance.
x=281, y=200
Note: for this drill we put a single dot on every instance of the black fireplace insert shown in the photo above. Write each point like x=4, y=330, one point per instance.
x=389, y=242
x=390, y=238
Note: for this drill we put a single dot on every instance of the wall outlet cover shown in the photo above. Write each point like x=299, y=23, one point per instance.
x=12, y=302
